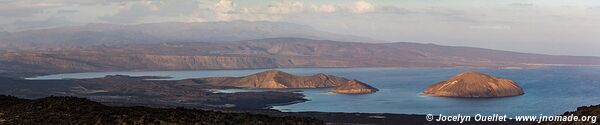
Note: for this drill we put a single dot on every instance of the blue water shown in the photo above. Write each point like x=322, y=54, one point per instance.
x=549, y=90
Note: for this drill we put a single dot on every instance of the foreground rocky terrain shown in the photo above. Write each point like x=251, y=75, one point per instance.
x=474, y=84
x=73, y=110
x=593, y=110
x=79, y=111
x=354, y=87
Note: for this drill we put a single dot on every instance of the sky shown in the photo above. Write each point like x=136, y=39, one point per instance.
x=558, y=27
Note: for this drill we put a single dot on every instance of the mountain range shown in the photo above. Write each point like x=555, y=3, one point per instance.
x=111, y=34
x=234, y=45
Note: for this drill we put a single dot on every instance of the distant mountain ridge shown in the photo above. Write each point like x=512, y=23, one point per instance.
x=270, y=53
x=233, y=45
x=113, y=34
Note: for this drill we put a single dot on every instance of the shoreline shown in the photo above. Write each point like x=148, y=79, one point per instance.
x=33, y=75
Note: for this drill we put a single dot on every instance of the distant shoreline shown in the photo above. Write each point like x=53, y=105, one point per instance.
x=33, y=76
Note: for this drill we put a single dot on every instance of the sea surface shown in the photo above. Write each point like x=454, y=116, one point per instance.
x=548, y=90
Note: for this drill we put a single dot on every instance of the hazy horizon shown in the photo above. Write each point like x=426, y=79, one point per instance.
x=550, y=27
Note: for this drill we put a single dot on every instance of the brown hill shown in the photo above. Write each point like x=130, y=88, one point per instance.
x=474, y=84
x=278, y=79
x=275, y=79
x=354, y=87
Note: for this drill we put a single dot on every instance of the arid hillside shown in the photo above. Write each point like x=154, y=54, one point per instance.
x=268, y=53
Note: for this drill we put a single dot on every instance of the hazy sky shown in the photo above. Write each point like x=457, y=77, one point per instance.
x=564, y=27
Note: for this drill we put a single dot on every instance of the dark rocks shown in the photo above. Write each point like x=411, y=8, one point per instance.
x=74, y=110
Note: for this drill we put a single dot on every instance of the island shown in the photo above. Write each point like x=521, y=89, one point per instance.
x=275, y=79
x=354, y=87
x=474, y=85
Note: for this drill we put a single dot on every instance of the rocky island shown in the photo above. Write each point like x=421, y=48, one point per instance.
x=275, y=79
x=354, y=87
x=473, y=85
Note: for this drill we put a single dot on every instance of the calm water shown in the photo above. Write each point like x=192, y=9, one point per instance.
x=551, y=90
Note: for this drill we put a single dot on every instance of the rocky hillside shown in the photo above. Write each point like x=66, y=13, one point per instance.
x=278, y=79
x=354, y=87
x=72, y=110
x=269, y=53
x=99, y=61
x=275, y=79
x=474, y=84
